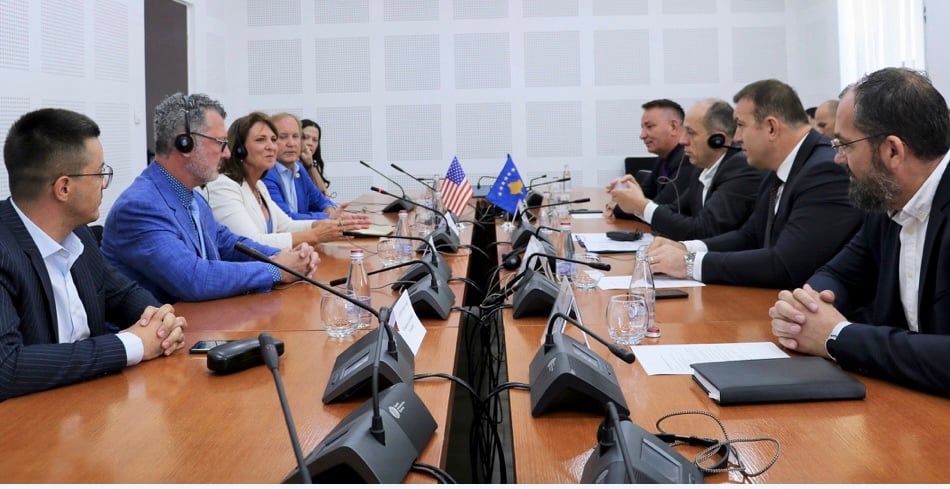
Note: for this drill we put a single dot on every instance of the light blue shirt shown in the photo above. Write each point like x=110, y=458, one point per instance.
x=287, y=181
x=72, y=322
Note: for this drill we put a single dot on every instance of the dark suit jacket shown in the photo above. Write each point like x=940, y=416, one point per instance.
x=865, y=274
x=729, y=202
x=31, y=359
x=814, y=220
x=680, y=173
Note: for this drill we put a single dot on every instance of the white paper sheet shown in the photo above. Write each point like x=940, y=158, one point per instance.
x=620, y=282
x=676, y=359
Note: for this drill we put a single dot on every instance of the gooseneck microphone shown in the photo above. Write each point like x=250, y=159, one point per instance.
x=441, y=237
x=433, y=282
x=479, y=183
x=410, y=175
x=549, y=182
x=592, y=264
x=531, y=182
x=521, y=235
x=417, y=271
x=269, y=352
x=536, y=294
x=618, y=351
x=396, y=205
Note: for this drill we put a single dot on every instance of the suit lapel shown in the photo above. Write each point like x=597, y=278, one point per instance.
x=12, y=221
x=935, y=227
x=182, y=215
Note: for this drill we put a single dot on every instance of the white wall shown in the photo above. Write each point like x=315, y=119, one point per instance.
x=937, y=43
x=80, y=55
x=416, y=82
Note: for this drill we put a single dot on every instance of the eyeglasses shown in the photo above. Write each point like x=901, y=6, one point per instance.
x=839, y=146
x=222, y=141
x=105, y=174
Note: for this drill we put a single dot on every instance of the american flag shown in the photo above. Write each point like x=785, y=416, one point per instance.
x=456, y=191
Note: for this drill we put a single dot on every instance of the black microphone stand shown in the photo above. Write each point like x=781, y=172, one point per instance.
x=396, y=205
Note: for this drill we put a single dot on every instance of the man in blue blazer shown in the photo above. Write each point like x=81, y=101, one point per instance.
x=288, y=183
x=161, y=232
x=720, y=197
x=56, y=291
x=802, y=216
x=892, y=134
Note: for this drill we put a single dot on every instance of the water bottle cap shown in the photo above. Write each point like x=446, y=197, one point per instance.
x=356, y=253
x=565, y=224
x=403, y=212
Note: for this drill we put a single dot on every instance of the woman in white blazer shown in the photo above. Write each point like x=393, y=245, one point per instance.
x=240, y=201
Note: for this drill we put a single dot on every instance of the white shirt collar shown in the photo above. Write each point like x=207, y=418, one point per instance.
x=706, y=176
x=45, y=243
x=918, y=207
x=786, y=167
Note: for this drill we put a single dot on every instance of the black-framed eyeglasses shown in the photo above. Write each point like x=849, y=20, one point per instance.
x=838, y=145
x=222, y=141
x=105, y=174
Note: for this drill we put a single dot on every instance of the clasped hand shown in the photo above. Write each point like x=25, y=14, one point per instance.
x=803, y=318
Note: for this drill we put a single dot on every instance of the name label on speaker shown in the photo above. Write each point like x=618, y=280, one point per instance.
x=406, y=323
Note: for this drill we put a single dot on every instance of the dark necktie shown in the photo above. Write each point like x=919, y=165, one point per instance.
x=664, y=168
x=773, y=197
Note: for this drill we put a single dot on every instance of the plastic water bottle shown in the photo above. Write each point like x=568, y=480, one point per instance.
x=567, y=183
x=357, y=287
x=403, y=246
x=641, y=285
x=565, y=249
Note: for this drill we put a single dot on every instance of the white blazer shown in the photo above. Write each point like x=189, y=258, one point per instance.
x=236, y=207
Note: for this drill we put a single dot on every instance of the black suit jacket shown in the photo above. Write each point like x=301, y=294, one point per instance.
x=729, y=202
x=865, y=275
x=814, y=220
x=31, y=359
x=680, y=173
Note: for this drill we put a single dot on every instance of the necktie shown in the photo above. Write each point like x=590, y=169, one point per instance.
x=664, y=168
x=196, y=218
x=773, y=197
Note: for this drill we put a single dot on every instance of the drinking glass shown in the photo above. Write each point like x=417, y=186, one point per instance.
x=424, y=223
x=587, y=277
x=339, y=316
x=386, y=250
x=626, y=319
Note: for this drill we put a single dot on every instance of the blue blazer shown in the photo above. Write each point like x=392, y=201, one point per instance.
x=32, y=358
x=813, y=222
x=865, y=275
x=310, y=200
x=729, y=202
x=149, y=236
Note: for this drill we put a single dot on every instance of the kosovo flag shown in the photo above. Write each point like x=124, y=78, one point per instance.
x=508, y=189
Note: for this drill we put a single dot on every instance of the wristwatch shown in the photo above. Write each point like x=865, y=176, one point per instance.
x=690, y=260
x=830, y=345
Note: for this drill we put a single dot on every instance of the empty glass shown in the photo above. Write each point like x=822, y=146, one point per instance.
x=587, y=277
x=339, y=317
x=386, y=251
x=626, y=319
x=424, y=223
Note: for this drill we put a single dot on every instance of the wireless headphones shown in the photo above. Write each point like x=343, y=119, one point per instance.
x=184, y=143
x=239, y=151
x=716, y=141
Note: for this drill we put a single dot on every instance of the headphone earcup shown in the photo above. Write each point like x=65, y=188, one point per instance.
x=716, y=141
x=239, y=151
x=512, y=260
x=184, y=143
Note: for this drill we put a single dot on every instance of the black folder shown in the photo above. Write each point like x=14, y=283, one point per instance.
x=776, y=380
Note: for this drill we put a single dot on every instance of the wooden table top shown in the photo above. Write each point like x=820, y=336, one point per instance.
x=895, y=435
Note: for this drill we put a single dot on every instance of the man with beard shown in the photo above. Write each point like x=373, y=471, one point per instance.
x=892, y=134
x=161, y=232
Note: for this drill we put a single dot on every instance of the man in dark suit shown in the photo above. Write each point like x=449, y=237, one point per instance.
x=892, y=134
x=661, y=127
x=720, y=197
x=802, y=216
x=56, y=291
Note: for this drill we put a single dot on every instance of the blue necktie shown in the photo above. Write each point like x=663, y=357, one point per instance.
x=196, y=218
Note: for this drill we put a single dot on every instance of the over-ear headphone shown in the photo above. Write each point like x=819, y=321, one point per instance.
x=239, y=151
x=716, y=141
x=184, y=143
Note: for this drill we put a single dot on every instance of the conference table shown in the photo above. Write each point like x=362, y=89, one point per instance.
x=895, y=435
x=171, y=420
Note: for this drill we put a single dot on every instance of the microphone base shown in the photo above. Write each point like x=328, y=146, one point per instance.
x=430, y=303
x=350, y=454
x=417, y=271
x=398, y=205
x=445, y=240
x=568, y=376
x=534, y=297
x=353, y=369
x=606, y=464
